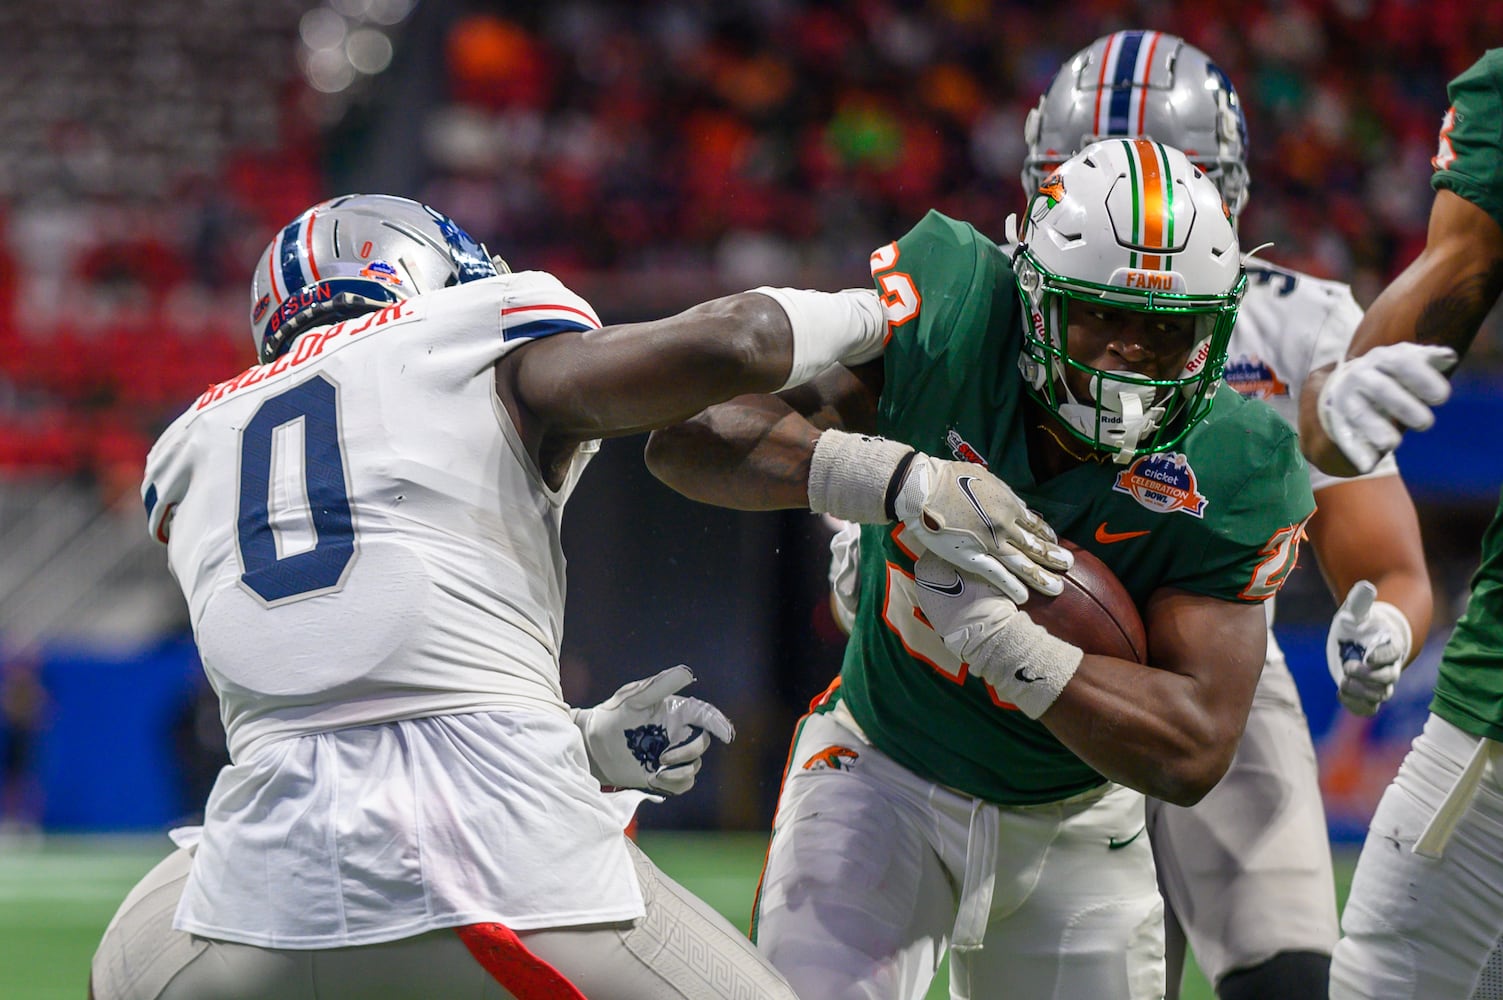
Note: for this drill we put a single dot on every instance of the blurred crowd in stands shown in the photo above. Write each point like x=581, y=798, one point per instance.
x=651, y=154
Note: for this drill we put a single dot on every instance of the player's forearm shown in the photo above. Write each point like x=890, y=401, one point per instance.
x=751, y=453
x=1145, y=728
x=1444, y=294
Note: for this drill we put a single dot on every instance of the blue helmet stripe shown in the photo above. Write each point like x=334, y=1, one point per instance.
x=288, y=258
x=1122, y=83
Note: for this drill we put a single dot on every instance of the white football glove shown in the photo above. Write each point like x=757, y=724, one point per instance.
x=646, y=736
x=1366, y=648
x=1370, y=400
x=1001, y=645
x=845, y=573
x=958, y=510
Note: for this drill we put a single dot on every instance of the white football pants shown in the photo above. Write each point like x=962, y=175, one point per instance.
x=1422, y=928
x=873, y=871
x=681, y=950
x=1246, y=871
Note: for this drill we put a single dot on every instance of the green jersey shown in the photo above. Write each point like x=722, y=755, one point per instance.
x=1221, y=517
x=1469, y=693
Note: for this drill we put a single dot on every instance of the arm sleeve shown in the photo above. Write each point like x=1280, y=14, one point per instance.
x=1469, y=159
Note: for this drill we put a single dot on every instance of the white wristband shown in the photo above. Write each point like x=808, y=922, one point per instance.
x=1025, y=664
x=849, y=475
x=847, y=327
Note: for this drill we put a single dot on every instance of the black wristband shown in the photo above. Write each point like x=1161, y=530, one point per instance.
x=895, y=485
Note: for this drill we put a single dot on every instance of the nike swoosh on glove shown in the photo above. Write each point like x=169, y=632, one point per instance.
x=1021, y=662
x=974, y=521
x=957, y=510
x=646, y=736
x=1366, y=648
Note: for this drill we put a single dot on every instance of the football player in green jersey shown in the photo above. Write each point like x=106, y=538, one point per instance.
x=971, y=781
x=1423, y=918
x=1257, y=901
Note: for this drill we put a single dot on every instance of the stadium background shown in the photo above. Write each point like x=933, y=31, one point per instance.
x=651, y=155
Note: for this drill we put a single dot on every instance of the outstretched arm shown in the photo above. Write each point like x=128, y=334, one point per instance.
x=753, y=453
x=791, y=451
x=1440, y=300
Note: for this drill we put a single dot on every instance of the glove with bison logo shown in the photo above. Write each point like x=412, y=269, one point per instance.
x=647, y=736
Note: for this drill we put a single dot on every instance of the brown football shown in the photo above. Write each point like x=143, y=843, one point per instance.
x=1094, y=611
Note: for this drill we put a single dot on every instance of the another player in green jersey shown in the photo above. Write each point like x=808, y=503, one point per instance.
x=1422, y=919
x=978, y=784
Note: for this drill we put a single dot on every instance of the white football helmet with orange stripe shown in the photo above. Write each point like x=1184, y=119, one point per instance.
x=1142, y=84
x=1130, y=224
x=353, y=254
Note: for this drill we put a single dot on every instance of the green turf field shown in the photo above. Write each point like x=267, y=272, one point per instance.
x=56, y=897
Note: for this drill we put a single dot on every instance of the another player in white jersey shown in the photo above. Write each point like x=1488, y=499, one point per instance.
x=365, y=525
x=1246, y=872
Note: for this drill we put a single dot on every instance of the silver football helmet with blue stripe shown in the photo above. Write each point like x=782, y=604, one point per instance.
x=1141, y=85
x=354, y=254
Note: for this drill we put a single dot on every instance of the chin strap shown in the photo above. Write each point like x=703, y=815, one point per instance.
x=1120, y=420
x=1133, y=427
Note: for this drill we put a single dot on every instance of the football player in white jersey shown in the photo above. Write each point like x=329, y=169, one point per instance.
x=1246, y=872
x=365, y=525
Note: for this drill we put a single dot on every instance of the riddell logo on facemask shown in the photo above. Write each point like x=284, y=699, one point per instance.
x=1198, y=359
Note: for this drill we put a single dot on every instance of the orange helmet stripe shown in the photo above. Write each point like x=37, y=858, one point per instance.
x=1153, y=201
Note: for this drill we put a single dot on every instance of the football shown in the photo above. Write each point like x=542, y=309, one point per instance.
x=1094, y=611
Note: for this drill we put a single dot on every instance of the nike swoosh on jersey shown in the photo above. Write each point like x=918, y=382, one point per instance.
x=1108, y=537
x=1113, y=844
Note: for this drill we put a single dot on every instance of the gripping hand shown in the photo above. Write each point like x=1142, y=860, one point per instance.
x=1367, y=646
x=1370, y=400
x=646, y=736
x=957, y=510
x=974, y=521
x=998, y=642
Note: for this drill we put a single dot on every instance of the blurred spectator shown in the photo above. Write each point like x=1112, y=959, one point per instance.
x=23, y=715
x=650, y=154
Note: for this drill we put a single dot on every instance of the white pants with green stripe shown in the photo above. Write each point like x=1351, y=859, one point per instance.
x=1418, y=927
x=872, y=873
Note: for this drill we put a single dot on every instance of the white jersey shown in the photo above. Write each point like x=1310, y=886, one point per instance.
x=346, y=562
x=373, y=571
x=1289, y=325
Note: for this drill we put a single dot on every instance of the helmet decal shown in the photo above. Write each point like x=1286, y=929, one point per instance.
x=1053, y=188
